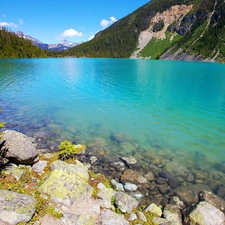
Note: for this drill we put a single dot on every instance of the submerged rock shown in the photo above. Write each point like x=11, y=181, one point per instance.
x=19, y=148
x=16, y=207
x=133, y=177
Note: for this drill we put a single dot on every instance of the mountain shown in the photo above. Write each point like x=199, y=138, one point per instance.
x=63, y=45
x=12, y=46
x=163, y=29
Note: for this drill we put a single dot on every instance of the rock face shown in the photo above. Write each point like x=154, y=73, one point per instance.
x=15, y=207
x=206, y=214
x=67, y=183
x=20, y=149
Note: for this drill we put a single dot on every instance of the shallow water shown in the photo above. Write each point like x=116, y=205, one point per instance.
x=161, y=105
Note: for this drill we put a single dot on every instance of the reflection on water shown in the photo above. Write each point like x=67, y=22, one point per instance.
x=174, y=110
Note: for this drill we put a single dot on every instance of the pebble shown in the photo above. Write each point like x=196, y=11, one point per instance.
x=130, y=187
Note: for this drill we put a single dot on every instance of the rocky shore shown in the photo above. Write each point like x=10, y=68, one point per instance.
x=38, y=188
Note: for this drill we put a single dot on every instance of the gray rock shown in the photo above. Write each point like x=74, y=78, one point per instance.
x=133, y=176
x=20, y=149
x=16, y=172
x=172, y=213
x=164, y=189
x=176, y=169
x=172, y=180
x=153, y=208
x=137, y=195
x=141, y=216
x=106, y=195
x=160, y=180
x=130, y=187
x=190, y=177
x=129, y=160
x=212, y=199
x=125, y=202
x=119, y=166
x=159, y=221
x=189, y=194
x=39, y=166
x=73, y=219
x=15, y=207
x=205, y=214
x=132, y=216
x=220, y=190
x=111, y=218
x=149, y=176
x=118, y=186
x=67, y=183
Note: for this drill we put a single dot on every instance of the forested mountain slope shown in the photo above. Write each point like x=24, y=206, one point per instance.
x=166, y=29
x=12, y=46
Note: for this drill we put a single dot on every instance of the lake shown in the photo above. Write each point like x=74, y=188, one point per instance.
x=172, y=110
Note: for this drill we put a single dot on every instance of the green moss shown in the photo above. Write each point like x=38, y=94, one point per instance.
x=67, y=149
x=2, y=124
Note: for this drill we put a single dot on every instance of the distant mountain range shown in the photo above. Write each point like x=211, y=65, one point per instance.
x=63, y=45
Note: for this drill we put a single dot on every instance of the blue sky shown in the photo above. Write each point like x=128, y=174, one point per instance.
x=53, y=20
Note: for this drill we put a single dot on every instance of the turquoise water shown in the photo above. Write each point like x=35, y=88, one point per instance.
x=166, y=104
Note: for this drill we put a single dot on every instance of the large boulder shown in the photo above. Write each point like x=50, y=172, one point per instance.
x=19, y=148
x=205, y=214
x=67, y=183
x=16, y=207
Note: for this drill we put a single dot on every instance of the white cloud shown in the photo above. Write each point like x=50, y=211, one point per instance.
x=20, y=21
x=91, y=37
x=71, y=33
x=5, y=24
x=105, y=23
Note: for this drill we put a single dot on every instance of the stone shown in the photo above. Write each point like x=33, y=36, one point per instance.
x=73, y=219
x=159, y=221
x=125, y=202
x=116, y=185
x=121, y=138
x=106, y=195
x=160, y=181
x=130, y=187
x=212, y=199
x=177, y=169
x=39, y=166
x=172, y=213
x=137, y=195
x=190, y=177
x=129, y=160
x=119, y=166
x=205, y=214
x=16, y=207
x=67, y=183
x=149, y=176
x=19, y=148
x=109, y=218
x=172, y=180
x=220, y=190
x=127, y=147
x=153, y=208
x=189, y=194
x=133, y=176
x=141, y=216
x=164, y=190
x=16, y=172
x=94, y=161
x=177, y=202
x=132, y=217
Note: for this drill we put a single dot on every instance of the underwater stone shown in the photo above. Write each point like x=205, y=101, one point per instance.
x=130, y=187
